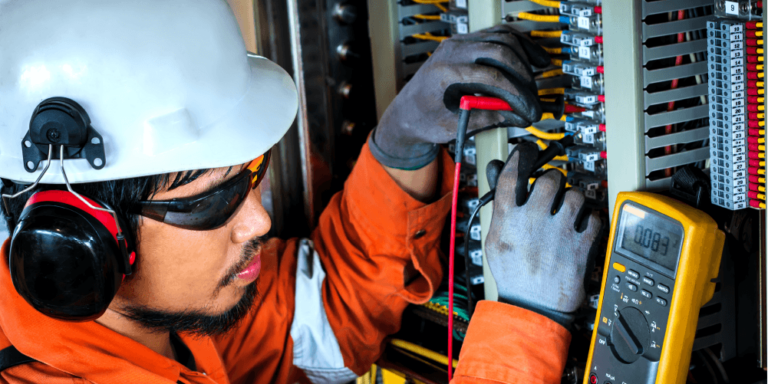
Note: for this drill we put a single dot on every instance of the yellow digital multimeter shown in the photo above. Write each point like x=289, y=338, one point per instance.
x=662, y=257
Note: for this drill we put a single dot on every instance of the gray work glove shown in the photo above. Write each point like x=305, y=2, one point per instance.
x=540, y=244
x=493, y=62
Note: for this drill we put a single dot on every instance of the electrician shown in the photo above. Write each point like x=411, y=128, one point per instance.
x=155, y=269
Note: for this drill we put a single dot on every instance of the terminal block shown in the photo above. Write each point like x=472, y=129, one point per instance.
x=738, y=9
x=727, y=113
x=590, y=54
x=577, y=39
x=591, y=24
x=594, y=83
x=575, y=8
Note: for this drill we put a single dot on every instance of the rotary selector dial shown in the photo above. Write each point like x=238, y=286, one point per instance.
x=630, y=335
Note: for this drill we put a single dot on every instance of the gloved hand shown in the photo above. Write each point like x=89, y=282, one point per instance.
x=540, y=243
x=493, y=62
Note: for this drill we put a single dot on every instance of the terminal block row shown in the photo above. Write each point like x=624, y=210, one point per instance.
x=727, y=113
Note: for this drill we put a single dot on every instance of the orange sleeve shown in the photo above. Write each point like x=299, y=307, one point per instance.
x=38, y=373
x=380, y=250
x=507, y=344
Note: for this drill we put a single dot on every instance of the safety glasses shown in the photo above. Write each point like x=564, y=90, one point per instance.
x=212, y=209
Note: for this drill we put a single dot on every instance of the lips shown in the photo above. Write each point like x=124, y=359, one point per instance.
x=252, y=270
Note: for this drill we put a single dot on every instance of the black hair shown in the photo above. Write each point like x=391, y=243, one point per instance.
x=121, y=195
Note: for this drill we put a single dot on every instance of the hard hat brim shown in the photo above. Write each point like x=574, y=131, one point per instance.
x=255, y=124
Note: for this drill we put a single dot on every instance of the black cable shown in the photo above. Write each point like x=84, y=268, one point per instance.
x=488, y=197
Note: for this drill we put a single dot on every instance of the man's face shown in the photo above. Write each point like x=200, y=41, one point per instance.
x=196, y=281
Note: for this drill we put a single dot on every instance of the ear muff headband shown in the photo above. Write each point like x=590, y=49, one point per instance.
x=68, y=199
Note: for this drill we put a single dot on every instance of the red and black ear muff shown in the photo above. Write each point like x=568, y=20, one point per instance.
x=68, y=260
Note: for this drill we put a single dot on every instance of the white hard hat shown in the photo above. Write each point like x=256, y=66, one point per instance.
x=167, y=84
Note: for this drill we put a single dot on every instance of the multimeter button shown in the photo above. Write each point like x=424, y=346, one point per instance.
x=661, y=301
x=648, y=281
x=632, y=287
x=633, y=274
x=663, y=288
x=616, y=279
x=619, y=267
x=647, y=294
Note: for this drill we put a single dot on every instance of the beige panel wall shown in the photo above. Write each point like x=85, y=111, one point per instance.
x=244, y=12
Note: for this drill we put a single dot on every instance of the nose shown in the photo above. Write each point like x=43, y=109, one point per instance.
x=252, y=220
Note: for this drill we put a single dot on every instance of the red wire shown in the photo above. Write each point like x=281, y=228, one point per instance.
x=599, y=39
x=671, y=104
x=451, y=253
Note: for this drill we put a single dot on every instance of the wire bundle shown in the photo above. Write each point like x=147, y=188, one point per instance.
x=756, y=115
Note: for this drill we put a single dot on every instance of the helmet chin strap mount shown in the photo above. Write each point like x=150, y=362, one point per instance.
x=61, y=125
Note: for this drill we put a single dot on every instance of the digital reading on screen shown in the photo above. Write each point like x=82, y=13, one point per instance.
x=650, y=236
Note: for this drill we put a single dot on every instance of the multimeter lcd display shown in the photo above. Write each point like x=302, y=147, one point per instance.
x=649, y=236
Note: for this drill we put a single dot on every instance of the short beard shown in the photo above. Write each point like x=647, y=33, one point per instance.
x=194, y=322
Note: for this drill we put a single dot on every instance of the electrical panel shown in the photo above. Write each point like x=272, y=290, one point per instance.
x=658, y=96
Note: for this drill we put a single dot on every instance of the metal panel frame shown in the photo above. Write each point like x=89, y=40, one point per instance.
x=624, y=98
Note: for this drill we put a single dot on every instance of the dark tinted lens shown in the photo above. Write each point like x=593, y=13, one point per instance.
x=211, y=211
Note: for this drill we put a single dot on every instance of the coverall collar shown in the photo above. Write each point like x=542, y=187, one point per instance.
x=92, y=351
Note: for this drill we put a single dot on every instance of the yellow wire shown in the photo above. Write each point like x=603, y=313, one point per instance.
x=551, y=91
x=547, y=3
x=427, y=17
x=429, y=36
x=539, y=18
x=561, y=158
x=557, y=62
x=548, y=167
x=757, y=33
x=436, y=3
x=550, y=116
x=552, y=73
x=546, y=33
x=541, y=144
x=421, y=351
x=544, y=135
x=553, y=50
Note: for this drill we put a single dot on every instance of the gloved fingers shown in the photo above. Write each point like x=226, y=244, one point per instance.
x=505, y=59
x=534, y=52
x=513, y=181
x=572, y=205
x=504, y=39
x=594, y=226
x=521, y=101
x=547, y=191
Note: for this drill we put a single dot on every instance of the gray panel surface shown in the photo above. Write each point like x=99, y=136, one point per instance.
x=672, y=50
x=673, y=27
x=677, y=138
x=680, y=71
x=676, y=116
x=675, y=94
x=651, y=8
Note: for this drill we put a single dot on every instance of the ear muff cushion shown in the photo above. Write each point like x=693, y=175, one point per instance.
x=63, y=262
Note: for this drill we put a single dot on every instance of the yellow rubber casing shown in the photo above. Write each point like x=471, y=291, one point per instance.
x=699, y=264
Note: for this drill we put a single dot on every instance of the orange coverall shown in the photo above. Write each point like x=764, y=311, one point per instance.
x=379, y=250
